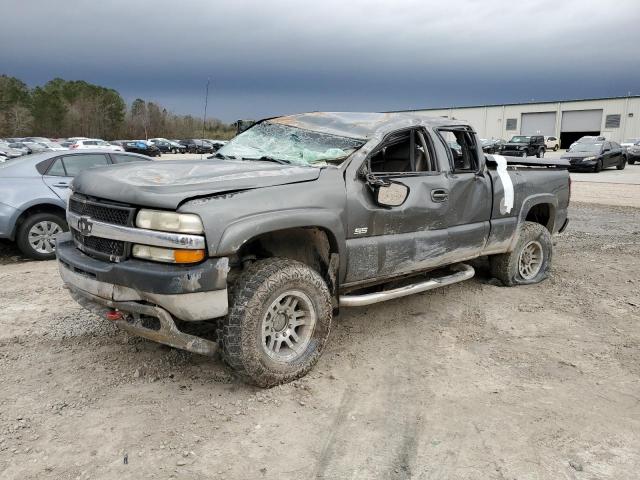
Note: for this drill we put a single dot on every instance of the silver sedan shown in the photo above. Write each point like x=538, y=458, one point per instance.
x=34, y=194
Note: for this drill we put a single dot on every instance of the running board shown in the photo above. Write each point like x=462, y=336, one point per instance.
x=463, y=272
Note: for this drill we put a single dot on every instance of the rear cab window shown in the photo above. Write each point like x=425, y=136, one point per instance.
x=461, y=148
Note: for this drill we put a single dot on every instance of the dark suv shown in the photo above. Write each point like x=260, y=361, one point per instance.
x=524, y=146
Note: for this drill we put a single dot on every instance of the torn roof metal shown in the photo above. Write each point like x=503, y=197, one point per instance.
x=361, y=125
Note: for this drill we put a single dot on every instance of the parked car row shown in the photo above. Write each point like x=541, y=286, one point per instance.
x=201, y=145
x=496, y=145
x=593, y=153
x=16, y=147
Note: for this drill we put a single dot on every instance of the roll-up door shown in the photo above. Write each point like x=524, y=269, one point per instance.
x=539, y=123
x=581, y=121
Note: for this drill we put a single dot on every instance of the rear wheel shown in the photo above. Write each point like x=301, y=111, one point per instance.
x=530, y=260
x=278, y=323
x=555, y=148
x=36, y=235
x=540, y=153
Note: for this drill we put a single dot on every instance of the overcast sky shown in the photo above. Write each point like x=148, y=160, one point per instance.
x=267, y=57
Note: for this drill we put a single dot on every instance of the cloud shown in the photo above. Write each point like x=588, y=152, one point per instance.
x=265, y=58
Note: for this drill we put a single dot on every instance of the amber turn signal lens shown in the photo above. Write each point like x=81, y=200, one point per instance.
x=188, y=256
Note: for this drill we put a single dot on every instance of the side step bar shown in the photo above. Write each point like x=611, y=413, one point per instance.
x=463, y=272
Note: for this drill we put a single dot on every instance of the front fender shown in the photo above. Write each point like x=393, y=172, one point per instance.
x=244, y=230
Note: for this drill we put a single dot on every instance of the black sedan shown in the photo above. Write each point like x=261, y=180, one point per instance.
x=195, y=145
x=167, y=146
x=491, y=145
x=139, y=146
x=596, y=156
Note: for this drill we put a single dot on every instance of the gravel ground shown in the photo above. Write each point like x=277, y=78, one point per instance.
x=471, y=381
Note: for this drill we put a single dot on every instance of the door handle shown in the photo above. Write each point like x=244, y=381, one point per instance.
x=62, y=185
x=439, y=195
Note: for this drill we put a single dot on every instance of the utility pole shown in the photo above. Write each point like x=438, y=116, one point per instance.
x=204, y=120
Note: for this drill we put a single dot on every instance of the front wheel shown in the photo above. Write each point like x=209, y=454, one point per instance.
x=278, y=323
x=555, y=148
x=36, y=236
x=622, y=164
x=540, y=153
x=524, y=154
x=530, y=260
x=631, y=161
x=598, y=166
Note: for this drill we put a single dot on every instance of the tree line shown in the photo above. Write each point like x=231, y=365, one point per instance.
x=62, y=108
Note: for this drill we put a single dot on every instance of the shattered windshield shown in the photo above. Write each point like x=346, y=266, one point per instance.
x=272, y=141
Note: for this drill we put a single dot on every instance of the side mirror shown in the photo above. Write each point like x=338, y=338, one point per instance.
x=391, y=195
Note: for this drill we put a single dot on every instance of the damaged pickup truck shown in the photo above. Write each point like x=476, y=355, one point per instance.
x=296, y=217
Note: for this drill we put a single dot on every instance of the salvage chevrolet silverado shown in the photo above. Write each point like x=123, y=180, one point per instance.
x=296, y=217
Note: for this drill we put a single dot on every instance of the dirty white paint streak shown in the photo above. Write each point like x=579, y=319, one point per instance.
x=507, y=203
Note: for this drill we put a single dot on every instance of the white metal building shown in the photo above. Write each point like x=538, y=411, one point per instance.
x=617, y=118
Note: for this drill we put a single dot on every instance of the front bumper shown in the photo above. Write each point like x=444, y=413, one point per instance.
x=8, y=216
x=582, y=164
x=189, y=293
x=512, y=153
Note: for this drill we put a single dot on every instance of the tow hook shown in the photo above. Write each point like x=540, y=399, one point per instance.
x=113, y=315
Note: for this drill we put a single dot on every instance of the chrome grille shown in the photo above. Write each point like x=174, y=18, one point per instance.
x=105, y=212
x=100, y=247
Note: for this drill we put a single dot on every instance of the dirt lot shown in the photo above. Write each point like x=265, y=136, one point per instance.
x=473, y=381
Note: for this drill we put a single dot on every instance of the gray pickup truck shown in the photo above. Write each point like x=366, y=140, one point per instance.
x=296, y=217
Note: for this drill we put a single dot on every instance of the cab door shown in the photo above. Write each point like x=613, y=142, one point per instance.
x=387, y=241
x=470, y=193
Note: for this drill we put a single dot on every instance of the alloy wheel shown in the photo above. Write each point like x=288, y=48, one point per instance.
x=287, y=326
x=42, y=236
x=530, y=261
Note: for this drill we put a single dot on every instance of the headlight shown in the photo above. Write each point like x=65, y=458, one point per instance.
x=520, y=148
x=586, y=159
x=167, y=255
x=169, y=221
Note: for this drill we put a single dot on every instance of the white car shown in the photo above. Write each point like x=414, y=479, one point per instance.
x=95, y=144
x=552, y=143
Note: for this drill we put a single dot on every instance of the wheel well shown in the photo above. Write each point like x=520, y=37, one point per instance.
x=310, y=245
x=541, y=213
x=40, y=208
x=313, y=246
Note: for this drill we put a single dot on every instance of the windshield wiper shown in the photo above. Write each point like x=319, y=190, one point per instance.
x=269, y=159
x=224, y=157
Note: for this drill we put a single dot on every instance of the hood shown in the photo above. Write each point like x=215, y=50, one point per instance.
x=167, y=184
